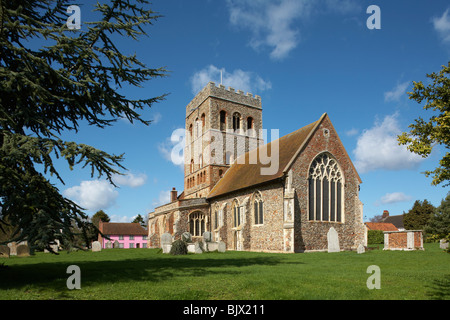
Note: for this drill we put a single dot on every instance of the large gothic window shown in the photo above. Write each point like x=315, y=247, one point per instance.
x=197, y=224
x=325, y=188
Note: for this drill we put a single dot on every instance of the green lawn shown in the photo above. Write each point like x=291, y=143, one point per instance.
x=134, y=274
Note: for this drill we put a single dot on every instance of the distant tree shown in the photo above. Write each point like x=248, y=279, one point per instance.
x=100, y=215
x=419, y=215
x=52, y=79
x=426, y=135
x=139, y=220
x=439, y=223
x=377, y=218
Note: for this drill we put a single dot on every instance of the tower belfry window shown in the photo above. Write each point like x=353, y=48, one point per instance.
x=223, y=120
x=236, y=121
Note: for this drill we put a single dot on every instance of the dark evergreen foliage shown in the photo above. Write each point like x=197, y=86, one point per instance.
x=74, y=76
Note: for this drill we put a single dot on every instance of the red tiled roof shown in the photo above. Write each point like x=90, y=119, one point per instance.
x=118, y=228
x=383, y=226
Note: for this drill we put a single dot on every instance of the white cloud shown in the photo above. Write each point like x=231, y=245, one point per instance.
x=394, y=197
x=164, y=197
x=442, y=26
x=93, y=195
x=351, y=132
x=246, y=81
x=156, y=118
x=396, y=93
x=377, y=148
x=273, y=23
x=130, y=180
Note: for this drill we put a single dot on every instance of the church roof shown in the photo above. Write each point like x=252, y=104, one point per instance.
x=242, y=174
x=381, y=226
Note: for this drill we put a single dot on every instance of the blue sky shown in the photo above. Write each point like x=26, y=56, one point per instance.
x=303, y=58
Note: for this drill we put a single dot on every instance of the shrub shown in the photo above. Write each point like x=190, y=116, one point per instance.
x=179, y=247
x=375, y=237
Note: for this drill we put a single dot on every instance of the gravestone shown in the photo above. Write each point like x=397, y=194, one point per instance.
x=360, y=249
x=443, y=244
x=23, y=250
x=207, y=236
x=116, y=245
x=109, y=245
x=221, y=247
x=186, y=237
x=166, y=238
x=4, y=251
x=212, y=246
x=166, y=242
x=333, y=240
x=198, y=247
x=191, y=248
x=96, y=246
x=12, y=248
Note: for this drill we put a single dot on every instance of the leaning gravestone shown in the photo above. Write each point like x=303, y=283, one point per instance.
x=4, y=251
x=23, y=250
x=207, y=236
x=186, y=237
x=333, y=240
x=360, y=249
x=116, y=245
x=96, y=246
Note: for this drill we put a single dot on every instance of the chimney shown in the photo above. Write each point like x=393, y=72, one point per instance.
x=385, y=214
x=173, y=195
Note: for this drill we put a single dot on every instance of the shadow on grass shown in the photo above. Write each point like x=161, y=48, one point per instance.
x=153, y=268
x=440, y=288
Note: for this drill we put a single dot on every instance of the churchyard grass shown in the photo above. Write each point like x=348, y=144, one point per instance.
x=135, y=274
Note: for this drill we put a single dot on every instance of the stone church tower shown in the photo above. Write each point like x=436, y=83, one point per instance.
x=221, y=125
x=309, y=200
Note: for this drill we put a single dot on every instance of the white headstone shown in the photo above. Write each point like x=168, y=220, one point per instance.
x=207, y=236
x=96, y=246
x=166, y=238
x=221, y=247
x=443, y=244
x=361, y=249
x=333, y=240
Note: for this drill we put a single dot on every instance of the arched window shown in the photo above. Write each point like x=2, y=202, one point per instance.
x=258, y=209
x=223, y=120
x=236, y=214
x=325, y=188
x=190, y=132
x=192, y=166
x=236, y=121
x=200, y=160
x=249, y=123
x=203, y=119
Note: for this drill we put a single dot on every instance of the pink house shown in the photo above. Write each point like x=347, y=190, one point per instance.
x=128, y=235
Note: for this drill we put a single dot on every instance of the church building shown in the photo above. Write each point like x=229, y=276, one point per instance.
x=281, y=196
